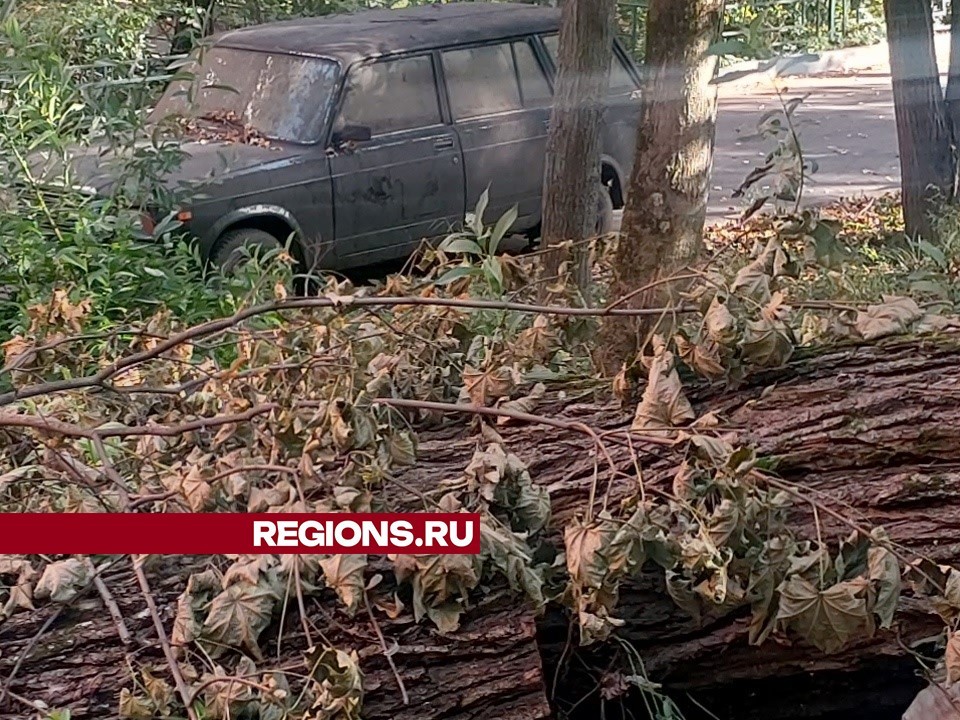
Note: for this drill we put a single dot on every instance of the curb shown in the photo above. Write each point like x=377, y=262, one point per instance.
x=843, y=60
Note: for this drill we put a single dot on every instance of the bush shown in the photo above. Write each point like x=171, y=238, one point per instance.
x=74, y=261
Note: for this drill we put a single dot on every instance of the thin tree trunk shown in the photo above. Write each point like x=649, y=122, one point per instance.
x=572, y=171
x=953, y=87
x=667, y=199
x=923, y=127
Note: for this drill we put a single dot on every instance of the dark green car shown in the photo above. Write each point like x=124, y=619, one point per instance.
x=360, y=135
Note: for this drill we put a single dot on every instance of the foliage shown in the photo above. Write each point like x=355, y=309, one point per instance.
x=75, y=255
x=325, y=437
x=316, y=383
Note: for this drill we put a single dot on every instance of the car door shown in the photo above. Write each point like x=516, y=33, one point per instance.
x=502, y=128
x=403, y=184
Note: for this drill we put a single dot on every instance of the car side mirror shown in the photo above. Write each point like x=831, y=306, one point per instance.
x=350, y=134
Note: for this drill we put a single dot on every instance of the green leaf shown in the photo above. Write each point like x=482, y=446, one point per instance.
x=933, y=252
x=494, y=272
x=732, y=46
x=476, y=223
x=454, y=274
x=510, y=556
x=504, y=224
x=461, y=245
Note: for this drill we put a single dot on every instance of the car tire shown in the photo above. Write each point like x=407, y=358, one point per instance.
x=604, y=211
x=234, y=248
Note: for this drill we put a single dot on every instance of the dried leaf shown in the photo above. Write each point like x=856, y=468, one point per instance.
x=584, y=544
x=403, y=448
x=61, y=581
x=536, y=342
x=526, y=404
x=200, y=588
x=483, y=387
x=884, y=572
x=344, y=574
x=159, y=692
x=891, y=317
x=700, y=357
x=719, y=323
x=134, y=706
x=663, y=404
x=338, y=684
x=829, y=618
x=767, y=343
x=952, y=658
x=935, y=703
x=238, y=615
x=753, y=281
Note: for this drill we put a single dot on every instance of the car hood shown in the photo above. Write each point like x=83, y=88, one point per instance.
x=100, y=169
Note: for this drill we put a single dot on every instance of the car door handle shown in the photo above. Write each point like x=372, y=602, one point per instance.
x=443, y=143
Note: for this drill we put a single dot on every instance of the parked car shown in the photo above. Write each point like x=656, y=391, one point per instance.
x=377, y=129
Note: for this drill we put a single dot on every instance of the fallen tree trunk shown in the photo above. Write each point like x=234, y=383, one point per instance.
x=872, y=431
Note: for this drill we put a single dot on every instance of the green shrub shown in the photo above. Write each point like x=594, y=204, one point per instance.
x=73, y=262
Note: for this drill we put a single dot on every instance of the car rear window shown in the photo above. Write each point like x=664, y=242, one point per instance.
x=481, y=81
x=533, y=82
x=621, y=81
x=283, y=97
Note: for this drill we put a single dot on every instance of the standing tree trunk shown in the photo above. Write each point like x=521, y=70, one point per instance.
x=953, y=89
x=667, y=199
x=923, y=127
x=572, y=172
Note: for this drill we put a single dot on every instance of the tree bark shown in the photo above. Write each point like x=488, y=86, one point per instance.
x=572, y=170
x=923, y=127
x=952, y=96
x=667, y=198
x=872, y=431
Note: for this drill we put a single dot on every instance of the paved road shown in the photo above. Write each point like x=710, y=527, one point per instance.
x=846, y=125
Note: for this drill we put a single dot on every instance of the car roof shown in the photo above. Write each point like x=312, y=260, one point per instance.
x=370, y=33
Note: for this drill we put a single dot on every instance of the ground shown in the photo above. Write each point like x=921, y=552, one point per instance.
x=846, y=125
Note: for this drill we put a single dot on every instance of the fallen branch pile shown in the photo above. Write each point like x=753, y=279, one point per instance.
x=866, y=435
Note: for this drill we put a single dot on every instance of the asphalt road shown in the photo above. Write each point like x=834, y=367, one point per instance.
x=846, y=124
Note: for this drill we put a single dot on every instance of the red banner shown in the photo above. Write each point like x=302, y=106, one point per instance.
x=239, y=533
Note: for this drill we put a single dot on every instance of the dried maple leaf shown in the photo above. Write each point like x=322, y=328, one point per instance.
x=663, y=404
x=238, y=615
x=344, y=574
x=483, y=387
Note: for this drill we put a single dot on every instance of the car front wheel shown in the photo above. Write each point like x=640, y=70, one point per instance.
x=237, y=246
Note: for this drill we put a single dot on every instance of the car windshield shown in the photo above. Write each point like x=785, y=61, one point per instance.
x=282, y=97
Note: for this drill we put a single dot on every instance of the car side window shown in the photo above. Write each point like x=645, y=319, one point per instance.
x=621, y=81
x=481, y=81
x=391, y=95
x=533, y=82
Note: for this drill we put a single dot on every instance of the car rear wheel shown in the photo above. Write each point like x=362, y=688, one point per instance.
x=604, y=211
x=237, y=246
